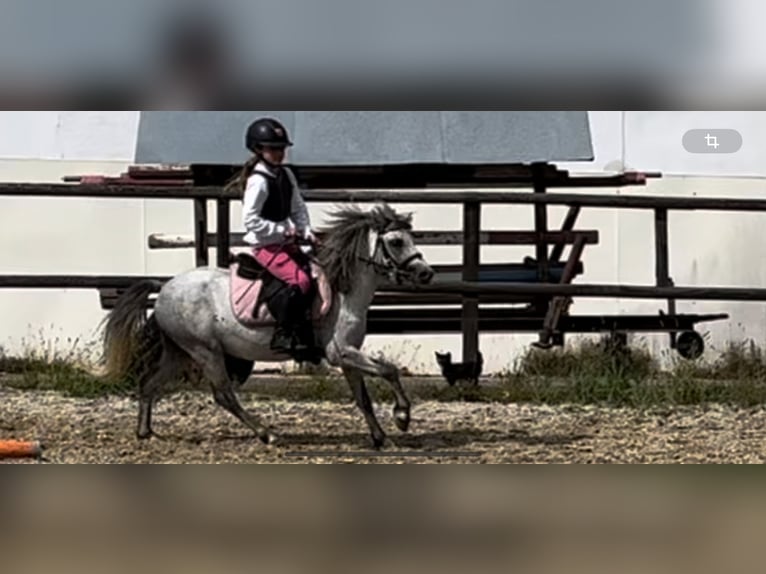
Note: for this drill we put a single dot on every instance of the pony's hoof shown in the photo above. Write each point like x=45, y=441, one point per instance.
x=402, y=419
x=144, y=435
x=378, y=442
x=269, y=439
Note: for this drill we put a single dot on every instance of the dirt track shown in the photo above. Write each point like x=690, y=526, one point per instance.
x=194, y=430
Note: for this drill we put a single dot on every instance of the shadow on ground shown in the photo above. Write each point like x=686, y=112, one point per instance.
x=428, y=441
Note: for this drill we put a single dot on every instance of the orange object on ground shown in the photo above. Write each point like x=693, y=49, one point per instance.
x=20, y=449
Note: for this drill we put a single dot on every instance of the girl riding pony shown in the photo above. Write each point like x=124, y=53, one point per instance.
x=274, y=215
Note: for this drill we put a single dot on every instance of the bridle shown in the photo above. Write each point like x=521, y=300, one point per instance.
x=397, y=270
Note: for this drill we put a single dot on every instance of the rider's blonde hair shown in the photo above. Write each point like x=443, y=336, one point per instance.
x=239, y=182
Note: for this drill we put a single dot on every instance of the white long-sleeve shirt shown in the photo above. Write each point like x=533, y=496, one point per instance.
x=260, y=232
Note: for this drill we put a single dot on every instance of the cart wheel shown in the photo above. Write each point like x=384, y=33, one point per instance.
x=690, y=345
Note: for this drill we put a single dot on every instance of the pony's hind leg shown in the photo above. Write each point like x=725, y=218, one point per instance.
x=147, y=396
x=214, y=366
x=226, y=397
x=239, y=370
x=149, y=388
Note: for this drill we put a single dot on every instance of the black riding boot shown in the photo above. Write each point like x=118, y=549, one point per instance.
x=294, y=333
x=304, y=347
x=301, y=322
x=281, y=307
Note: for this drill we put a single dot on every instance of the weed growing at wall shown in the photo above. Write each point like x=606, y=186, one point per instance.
x=585, y=373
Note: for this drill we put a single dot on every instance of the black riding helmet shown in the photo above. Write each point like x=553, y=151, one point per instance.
x=267, y=132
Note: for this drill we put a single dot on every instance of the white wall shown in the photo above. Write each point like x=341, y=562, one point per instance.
x=69, y=136
x=71, y=236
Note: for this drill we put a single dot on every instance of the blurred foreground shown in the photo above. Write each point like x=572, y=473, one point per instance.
x=198, y=54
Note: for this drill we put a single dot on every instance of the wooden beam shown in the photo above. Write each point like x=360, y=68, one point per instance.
x=557, y=306
x=593, y=291
x=224, y=233
x=661, y=247
x=662, y=260
x=436, y=315
x=202, y=251
x=74, y=281
x=591, y=237
x=597, y=291
x=389, y=299
x=492, y=320
x=403, y=300
x=569, y=222
x=471, y=267
x=541, y=223
x=414, y=176
x=408, y=197
x=518, y=198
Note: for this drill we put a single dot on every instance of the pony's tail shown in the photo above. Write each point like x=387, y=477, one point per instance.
x=132, y=341
x=238, y=183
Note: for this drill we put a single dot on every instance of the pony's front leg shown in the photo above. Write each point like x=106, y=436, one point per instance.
x=362, y=398
x=351, y=358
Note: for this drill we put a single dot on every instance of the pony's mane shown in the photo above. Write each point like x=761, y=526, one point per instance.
x=347, y=237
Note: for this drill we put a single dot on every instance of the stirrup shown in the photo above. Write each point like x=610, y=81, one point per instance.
x=282, y=341
x=313, y=355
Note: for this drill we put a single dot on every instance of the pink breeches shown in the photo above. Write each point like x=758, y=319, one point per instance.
x=277, y=260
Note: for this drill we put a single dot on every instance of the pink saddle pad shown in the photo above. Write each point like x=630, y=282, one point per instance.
x=246, y=292
x=244, y=298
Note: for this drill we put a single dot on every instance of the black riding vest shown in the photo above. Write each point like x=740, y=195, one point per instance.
x=280, y=196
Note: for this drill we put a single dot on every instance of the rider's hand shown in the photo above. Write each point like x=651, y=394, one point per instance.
x=309, y=236
x=290, y=233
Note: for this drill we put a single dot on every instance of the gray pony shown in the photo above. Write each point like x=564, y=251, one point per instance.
x=194, y=327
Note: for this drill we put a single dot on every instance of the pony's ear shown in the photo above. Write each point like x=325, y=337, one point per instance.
x=372, y=241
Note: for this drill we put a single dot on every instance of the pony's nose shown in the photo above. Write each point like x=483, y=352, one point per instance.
x=426, y=276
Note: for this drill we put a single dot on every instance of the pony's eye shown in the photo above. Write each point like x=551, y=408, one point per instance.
x=396, y=243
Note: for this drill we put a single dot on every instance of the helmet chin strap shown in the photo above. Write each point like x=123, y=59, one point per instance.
x=262, y=157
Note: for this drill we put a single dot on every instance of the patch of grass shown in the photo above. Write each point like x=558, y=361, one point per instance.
x=590, y=359
x=41, y=367
x=597, y=373
x=740, y=360
x=736, y=377
x=591, y=372
x=61, y=377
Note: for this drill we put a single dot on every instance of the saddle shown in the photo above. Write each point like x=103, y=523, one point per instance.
x=252, y=287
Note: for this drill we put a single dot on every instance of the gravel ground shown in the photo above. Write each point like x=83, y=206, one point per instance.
x=194, y=430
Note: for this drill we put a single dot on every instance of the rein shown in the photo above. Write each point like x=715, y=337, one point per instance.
x=397, y=270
